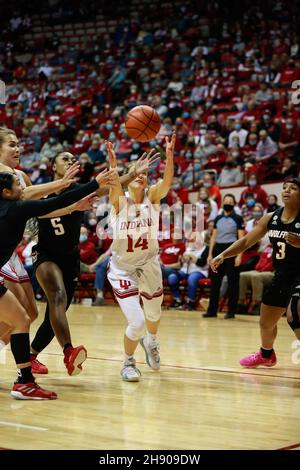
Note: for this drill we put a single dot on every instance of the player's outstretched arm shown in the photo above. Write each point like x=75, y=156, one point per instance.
x=85, y=204
x=116, y=192
x=159, y=190
x=41, y=190
x=243, y=243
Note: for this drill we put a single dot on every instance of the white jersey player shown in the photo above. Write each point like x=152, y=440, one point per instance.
x=134, y=270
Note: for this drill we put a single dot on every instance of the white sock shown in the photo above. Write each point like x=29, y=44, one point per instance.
x=2, y=344
x=151, y=338
x=99, y=294
x=128, y=358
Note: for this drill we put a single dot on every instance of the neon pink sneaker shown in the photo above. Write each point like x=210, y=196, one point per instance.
x=256, y=359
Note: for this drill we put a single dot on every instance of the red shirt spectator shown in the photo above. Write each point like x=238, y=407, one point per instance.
x=259, y=193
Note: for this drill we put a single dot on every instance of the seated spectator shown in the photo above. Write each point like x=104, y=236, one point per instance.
x=266, y=148
x=51, y=148
x=210, y=206
x=194, y=267
x=272, y=203
x=230, y=174
x=96, y=155
x=246, y=209
x=87, y=168
x=259, y=193
x=205, y=149
x=100, y=267
x=255, y=214
x=289, y=169
x=258, y=279
x=213, y=189
x=170, y=256
x=238, y=132
x=264, y=93
x=290, y=138
x=88, y=253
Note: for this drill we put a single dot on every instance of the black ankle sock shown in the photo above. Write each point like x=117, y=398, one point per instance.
x=67, y=345
x=25, y=376
x=266, y=353
x=33, y=356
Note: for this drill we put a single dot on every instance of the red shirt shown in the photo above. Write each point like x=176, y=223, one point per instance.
x=215, y=194
x=171, y=253
x=260, y=195
x=88, y=253
x=265, y=262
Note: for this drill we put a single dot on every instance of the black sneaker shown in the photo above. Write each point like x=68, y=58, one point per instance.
x=188, y=306
x=242, y=309
x=176, y=304
x=229, y=315
x=209, y=315
x=255, y=309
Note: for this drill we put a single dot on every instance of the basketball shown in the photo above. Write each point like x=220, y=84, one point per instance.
x=142, y=123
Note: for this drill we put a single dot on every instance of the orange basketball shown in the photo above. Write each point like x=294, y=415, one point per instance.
x=142, y=123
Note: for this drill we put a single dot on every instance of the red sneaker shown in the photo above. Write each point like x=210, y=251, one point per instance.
x=31, y=391
x=74, y=357
x=256, y=359
x=37, y=367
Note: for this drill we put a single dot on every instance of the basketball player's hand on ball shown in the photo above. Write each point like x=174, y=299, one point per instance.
x=170, y=146
x=293, y=239
x=146, y=161
x=215, y=263
x=111, y=154
x=69, y=176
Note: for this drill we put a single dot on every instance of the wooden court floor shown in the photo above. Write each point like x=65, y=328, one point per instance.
x=200, y=399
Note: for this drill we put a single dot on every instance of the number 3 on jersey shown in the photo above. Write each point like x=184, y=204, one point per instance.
x=58, y=226
x=141, y=242
x=281, y=252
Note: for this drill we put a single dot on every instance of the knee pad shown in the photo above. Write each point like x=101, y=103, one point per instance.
x=295, y=323
x=152, y=308
x=135, y=330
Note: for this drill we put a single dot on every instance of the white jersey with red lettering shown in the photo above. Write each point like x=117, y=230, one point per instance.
x=135, y=233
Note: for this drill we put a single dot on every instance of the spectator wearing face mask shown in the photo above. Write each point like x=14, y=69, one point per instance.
x=259, y=193
x=247, y=208
x=256, y=213
x=95, y=153
x=290, y=138
x=205, y=148
x=267, y=124
x=210, y=206
x=230, y=175
x=266, y=148
x=238, y=132
x=51, y=148
x=213, y=189
x=249, y=150
x=272, y=203
x=88, y=253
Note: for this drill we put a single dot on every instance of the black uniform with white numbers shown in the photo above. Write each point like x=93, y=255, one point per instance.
x=286, y=261
x=58, y=241
x=14, y=215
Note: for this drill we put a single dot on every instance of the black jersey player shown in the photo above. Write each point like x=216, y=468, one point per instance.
x=56, y=263
x=283, y=228
x=14, y=213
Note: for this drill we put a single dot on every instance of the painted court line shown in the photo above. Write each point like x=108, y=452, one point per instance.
x=293, y=446
x=24, y=426
x=205, y=369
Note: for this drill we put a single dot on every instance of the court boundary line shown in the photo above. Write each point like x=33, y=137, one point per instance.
x=204, y=369
x=291, y=447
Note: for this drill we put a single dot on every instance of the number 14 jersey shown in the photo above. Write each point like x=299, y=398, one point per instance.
x=135, y=232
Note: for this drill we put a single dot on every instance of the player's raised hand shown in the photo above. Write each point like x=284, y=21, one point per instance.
x=146, y=161
x=85, y=204
x=111, y=154
x=170, y=146
x=107, y=177
x=293, y=239
x=215, y=263
x=69, y=176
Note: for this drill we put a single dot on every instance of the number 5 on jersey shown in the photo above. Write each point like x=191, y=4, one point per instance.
x=58, y=226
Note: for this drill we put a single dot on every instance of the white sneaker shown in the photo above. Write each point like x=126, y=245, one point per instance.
x=129, y=372
x=152, y=352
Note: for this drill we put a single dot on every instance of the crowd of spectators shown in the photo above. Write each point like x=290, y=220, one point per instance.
x=221, y=77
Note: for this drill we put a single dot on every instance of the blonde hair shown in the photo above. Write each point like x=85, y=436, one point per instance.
x=4, y=132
